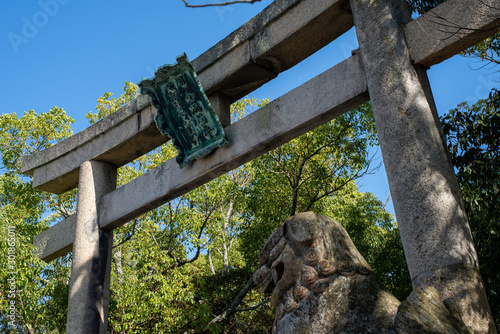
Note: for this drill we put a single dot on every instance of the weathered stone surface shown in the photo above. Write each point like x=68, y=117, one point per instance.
x=269, y=44
x=276, y=251
x=243, y=33
x=57, y=240
x=451, y=28
x=270, y=244
x=431, y=218
x=91, y=266
x=321, y=284
x=37, y=159
x=118, y=139
x=424, y=312
x=464, y=284
x=222, y=107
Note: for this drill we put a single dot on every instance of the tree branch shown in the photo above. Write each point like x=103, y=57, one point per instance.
x=179, y=263
x=251, y=308
x=129, y=235
x=219, y=4
x=233, y=307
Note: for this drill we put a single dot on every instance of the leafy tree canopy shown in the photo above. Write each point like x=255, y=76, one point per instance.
x=185, y=266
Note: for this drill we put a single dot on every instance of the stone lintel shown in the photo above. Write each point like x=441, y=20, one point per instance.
x=243, y=61
x=282, y=35
x=35, y=160
x=450, y=28
x=117, y=143
x=57, y=240
x=319, y=100
x=243, y=33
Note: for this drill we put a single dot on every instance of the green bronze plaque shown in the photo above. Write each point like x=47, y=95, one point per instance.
x=184, y=112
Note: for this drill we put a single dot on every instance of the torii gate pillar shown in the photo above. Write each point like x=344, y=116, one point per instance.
x=91, y=266
x=434, y=229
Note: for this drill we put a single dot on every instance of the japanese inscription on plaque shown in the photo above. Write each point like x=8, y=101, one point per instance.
x=184, y=112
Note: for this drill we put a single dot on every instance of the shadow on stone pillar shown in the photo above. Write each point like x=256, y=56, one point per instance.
x=91, y=266
x=434, y=228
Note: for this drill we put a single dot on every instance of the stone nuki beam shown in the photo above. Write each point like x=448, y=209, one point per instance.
x=252, y=55
x=450, y=28
x=56, y=241
x=319, y=100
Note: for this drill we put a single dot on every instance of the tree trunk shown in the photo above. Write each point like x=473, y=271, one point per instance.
x=117, y=254
x=225, y=230
x=210, y=262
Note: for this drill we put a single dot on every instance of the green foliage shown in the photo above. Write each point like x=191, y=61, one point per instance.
x=299, y=175
x=375, y=234
x=178, y=267
x=106, y=104
x=487, y=50
x=149, y=295
x=218, y=291
x=246, y=106
x=39, y=291
x=31, y=133
x=474, y=143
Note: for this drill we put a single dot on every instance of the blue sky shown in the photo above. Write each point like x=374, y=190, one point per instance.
x=67, y=53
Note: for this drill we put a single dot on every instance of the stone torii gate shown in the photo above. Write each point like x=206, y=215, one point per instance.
x=389, y=70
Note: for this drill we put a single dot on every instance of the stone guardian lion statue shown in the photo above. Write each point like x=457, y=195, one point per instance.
x=320, y=283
